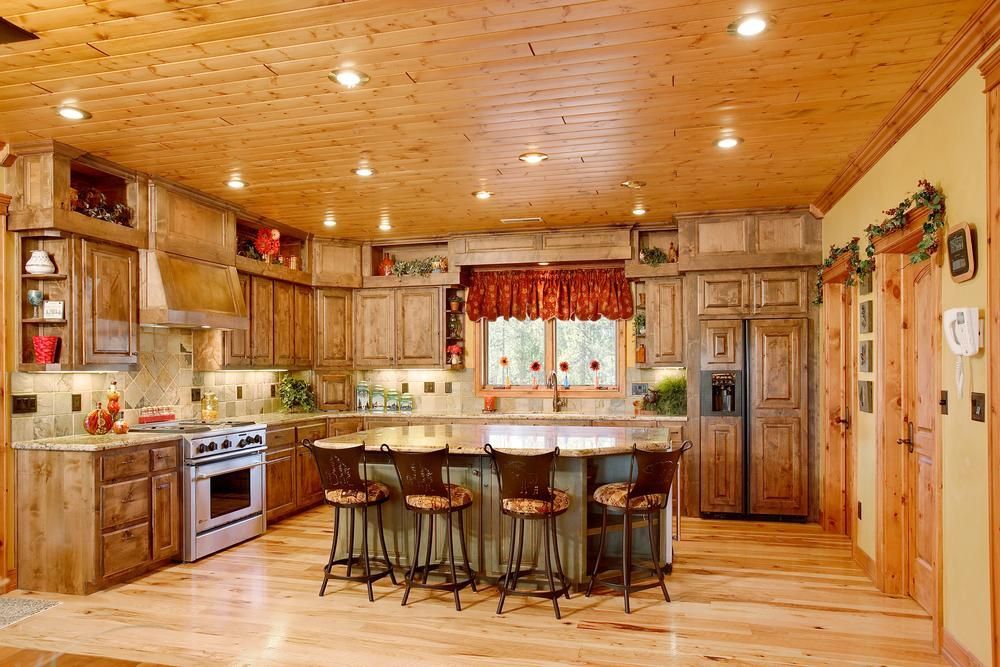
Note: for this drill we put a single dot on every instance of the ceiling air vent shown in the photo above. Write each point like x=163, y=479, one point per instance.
x=519, y=221
x=10, y=33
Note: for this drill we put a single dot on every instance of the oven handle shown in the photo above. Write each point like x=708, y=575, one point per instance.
x=198, y=478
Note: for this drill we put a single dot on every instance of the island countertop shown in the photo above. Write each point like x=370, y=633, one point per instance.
x=572, y=441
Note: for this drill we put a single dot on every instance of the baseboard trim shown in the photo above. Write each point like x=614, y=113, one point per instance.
x=955, y=653
x=864, y=560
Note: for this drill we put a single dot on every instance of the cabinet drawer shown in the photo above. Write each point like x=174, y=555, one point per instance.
x=273, y=454
x=311, y=432
x=124, y=464
x=281, y=437
x=124, y=549
x=124, y=502
x=345, y=426
x=163, y=458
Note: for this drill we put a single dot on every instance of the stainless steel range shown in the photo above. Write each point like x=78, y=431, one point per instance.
x=224, y=477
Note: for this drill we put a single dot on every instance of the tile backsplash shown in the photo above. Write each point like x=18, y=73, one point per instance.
x=165, y=377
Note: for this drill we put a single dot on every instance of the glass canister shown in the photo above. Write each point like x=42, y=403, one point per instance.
x=362, y=396
x=391, y=400
x=209, y=407
x=406, y=403
x=378, y=398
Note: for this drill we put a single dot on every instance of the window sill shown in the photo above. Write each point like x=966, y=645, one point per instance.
x=546, y=393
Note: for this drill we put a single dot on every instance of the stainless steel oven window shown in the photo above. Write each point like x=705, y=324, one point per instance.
x=230, y=492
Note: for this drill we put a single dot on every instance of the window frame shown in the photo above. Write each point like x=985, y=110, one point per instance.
x=481, y=372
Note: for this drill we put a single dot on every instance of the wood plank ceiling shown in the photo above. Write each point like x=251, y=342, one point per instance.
x=195, y=90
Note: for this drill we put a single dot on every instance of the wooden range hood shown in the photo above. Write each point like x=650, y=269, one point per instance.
x=179, y=291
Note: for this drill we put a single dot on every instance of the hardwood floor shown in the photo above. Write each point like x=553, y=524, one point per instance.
x=744, y=593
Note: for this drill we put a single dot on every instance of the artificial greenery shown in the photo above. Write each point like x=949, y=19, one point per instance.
x=639, y=322
x=835, y=253
x=652, y=256
x=296, y=395
x=927, y=196
x=249, y=250
x=415, y=267
x=668, y=397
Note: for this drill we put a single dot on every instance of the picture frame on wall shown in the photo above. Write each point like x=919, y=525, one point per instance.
x=865, y=284
x=865, y=324
x=865, y=395
x=865, y=352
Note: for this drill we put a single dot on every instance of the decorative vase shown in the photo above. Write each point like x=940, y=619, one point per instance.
x=98, y=421
x=640, y=353
x=45, y=348
x=39, y=264
x=565, y=380
x=534, y=380
x=506, y=378
x=597, y=379
x=120, y=427
x=385, y=266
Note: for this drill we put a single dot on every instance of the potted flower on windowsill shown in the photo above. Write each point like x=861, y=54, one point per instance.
x=595, y=366
x=536, y=367
x=504, y=371
x=564, y=367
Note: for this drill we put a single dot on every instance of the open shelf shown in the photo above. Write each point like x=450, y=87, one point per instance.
x=42, y=320
x=293, y=256
x=652, y=238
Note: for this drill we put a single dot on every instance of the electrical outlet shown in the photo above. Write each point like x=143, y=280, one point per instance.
x=944, y=402
x=405, y=388
x=428, y=387
x=239, y=392
x=640, y=388
x=447, y=387
x=76, y=402
x=195, y=394
x=274, y=390
x=24, y=404
x=978, y=406
x=859, y=510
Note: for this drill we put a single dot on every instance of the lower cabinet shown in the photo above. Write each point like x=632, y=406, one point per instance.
x=721, y=464
x=90, y=520
x=280, y=495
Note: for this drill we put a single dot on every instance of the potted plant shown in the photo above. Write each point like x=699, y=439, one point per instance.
x=455, y=302
x=652, y=256
x=296, y=395
x=454, y=353
x=668, y=397
x=639, y=323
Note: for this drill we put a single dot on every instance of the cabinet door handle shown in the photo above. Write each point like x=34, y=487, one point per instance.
x=127, y=535
x=165, y=485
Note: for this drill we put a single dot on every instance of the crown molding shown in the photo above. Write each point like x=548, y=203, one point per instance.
x=990, y=69
x=974, y=39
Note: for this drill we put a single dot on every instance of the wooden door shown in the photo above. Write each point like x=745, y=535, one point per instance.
x=283, y=323
x=721, y=345
x=374, y=342
x=665, y=325
x=304, y=327
x=280, y=490
x=721, y=464
x=779, y=468
x=237, y=341
x=921, y=345
x=419, y=317
x=838, y=355
x=261, y=321
x=110, y=304
x=166, y=504
x=334, y=327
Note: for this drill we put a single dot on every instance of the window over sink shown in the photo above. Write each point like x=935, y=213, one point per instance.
x=509, y=347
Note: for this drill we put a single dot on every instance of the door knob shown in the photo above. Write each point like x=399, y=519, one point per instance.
x=843, y=420
x=908, y=440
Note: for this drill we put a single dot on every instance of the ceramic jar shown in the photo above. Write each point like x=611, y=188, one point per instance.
x=362, y=396
x=39, y=263
x=406, y=403
x=392, y=400
x=378, y=398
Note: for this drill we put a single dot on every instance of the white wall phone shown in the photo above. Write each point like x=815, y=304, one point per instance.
x=961, y=331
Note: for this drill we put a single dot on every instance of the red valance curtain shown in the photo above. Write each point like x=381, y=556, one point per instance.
x=583, y=294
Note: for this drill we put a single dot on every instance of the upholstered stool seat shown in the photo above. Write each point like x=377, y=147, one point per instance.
x=535, y=507
x=616, y=495
x=377, y=492
x=459, y=497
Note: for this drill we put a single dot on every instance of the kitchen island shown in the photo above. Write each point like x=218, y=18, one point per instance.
x=589, y=456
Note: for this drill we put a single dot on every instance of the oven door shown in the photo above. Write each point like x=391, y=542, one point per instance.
x=227, y=491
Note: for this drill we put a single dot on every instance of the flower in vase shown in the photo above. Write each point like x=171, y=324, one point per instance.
x=504, y=362
x=535, y=366
x=564, y=366
x=595, y=365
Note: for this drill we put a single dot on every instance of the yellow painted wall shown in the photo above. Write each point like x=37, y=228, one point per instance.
x=948, y=148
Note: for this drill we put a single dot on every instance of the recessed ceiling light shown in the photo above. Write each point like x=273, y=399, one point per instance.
x=633, y=185
x=384, y=226
x=729, y=142
x=349, y=78
x=533, y=157
x=482, y=194
x=237, y=183
x=748, y=26
x=639, y=210
x=329, y=222
x=364, y=171
x=72, y=113
x=543, y=264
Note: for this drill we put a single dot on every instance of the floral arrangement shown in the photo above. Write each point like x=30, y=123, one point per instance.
x=420, y=267
x=652, y=256
x=564, y=366
x=504, y=362
x=268, y=242
x=535, y=366
x=454, y=353
x=835, y=253
x=453, y=349
x=595, y=365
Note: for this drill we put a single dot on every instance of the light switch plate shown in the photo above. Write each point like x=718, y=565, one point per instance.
x=195, y=394
x=24, y=404
x=447, y=387
x=978, y=406
x=76, y=402
x=428, y=387
x=640, y=388
x=405, y=388
x=239, y=392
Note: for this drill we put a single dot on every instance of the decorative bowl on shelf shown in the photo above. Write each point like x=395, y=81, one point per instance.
x=39, y=264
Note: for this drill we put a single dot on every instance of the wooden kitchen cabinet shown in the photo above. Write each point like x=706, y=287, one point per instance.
x=723, y=294
x=399, y=328
x=188, y=223
x=721, y=464
x=334, y=328
x=110, y=305
x=308, y=486
x=236, y=352
x=665, y=325
x=90, y=520
x=335, y=390
x=280, y=466
x=283, y=321
x=783, y=292
x=261, y=321
x=304, y=317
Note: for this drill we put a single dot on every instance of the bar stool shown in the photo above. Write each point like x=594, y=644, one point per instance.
x=425, y=493
x=344, y=488
x=651, y=475
x=528, y=493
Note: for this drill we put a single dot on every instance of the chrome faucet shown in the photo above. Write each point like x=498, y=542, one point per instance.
x=553, y=383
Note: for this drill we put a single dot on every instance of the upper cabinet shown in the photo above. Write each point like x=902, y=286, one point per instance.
x=749, y=239
x=336, y=263
x=762, y=293
x=334, y=328
x=599, y=243
x=57, y=187
x=270, y=249
x=399, y=328
x=109, y=304
x=261, y=322
x=665, y=325
x=304, y=317
x=189, y=224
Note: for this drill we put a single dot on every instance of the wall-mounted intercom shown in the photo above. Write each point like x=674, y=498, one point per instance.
x=961, y=332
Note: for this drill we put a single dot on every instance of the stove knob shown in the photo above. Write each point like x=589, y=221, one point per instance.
x=226, y=444
x=212, y=446
x=258, y=439
x=242, y=443
x=202, y=449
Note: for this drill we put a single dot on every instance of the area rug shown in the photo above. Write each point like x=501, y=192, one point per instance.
x=13, y=610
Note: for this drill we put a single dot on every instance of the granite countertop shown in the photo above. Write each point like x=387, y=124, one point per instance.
x=96, y=443
x=506, y=416
x=572, y=441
